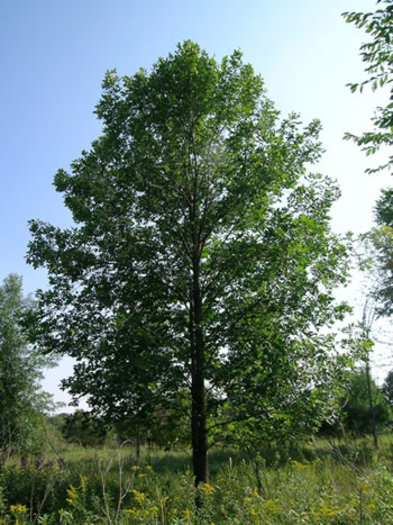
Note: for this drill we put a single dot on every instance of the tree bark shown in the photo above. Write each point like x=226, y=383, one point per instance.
x=138, y=446
x=198, y=414
x=371, y=406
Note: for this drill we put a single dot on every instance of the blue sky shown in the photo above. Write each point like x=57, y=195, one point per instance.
x=54, y=55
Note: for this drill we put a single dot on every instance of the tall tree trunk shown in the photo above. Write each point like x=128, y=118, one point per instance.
x=198, y=423
x=371, y=406
x=198, y=415
x=138, y=446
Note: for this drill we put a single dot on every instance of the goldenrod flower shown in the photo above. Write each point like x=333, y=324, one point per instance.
x=207, y=489
x=271, y=506
x=154, y=510
x=139, y=497
x=18, y=509
x=327, y=511
x=364, y=486
x=72, y=495
x=298, y=465
x=83, y=484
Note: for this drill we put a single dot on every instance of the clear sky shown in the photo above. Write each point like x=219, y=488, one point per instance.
x=54, y=54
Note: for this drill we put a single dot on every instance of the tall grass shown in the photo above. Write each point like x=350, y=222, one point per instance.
x=320, y=483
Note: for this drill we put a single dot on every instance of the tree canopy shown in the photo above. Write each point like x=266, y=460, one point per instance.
x=377, y=260
x=201, y=259
x=21, y=398
x=378, y=57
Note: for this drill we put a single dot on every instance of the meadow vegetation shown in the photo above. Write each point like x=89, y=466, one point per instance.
x=335, y=481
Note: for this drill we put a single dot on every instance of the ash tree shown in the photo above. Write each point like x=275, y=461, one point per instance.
x=201, y=260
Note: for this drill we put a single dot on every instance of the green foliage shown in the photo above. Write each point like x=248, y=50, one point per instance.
x=202, y=256
x=387, y=388
x=104, y=487
x=357, y=416
x=83, y=428
x=384, y=208
x=379, y=246
x=380, y=241
x=377, y=55
x=21, y=400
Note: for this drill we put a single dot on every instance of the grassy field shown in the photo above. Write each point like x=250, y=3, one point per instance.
x=332, y=482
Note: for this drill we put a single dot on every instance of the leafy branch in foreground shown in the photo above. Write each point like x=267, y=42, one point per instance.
x=378, y=57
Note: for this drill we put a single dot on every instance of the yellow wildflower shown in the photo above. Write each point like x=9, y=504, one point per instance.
x=154, y=510
x=364, y=486
x=140, y=475
x=83, y=484
x=134, y=512
x=149, y=468
x=297, y=465
x=271, y=506
x=327, y=512
x=247, y=500
x=207, y=489
x=187, y=514
x=72, y=495
x=253, y=512
x=134, y=468
x=139, y=497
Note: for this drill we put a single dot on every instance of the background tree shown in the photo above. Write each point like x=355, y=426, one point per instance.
x=387, y=388
x=202, y=257
x=82, y=428
x=379, y=267
x=21, y=400
x=381, y=238
x=356, y=415
x=359, y=417
x=368, y=318
x=378, y=57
